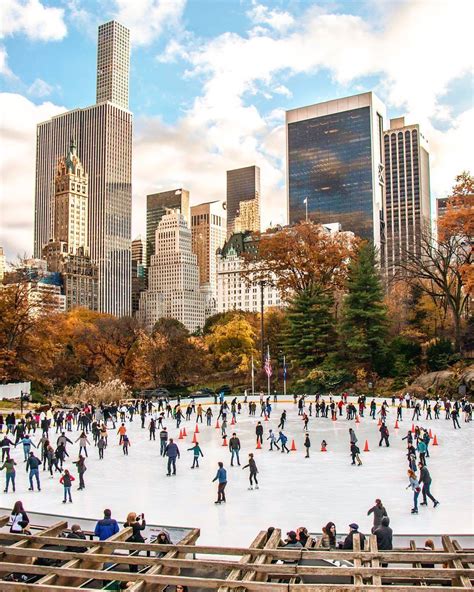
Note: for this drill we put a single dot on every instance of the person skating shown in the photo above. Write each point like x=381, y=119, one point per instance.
x=352, y=436
x=101, y=445
x=281, y=425
x=163, y=441
x=221, y=478
x=121, y=432
x=259, y=433
x=32, y=465
x=197, y=452
x=66, y=481
x=152, y=429
x=83, y=442
x=172, y=452
x=384, y=434
x=307, y=445
x=106, y=527
x=234, y=447
x=425, y=480
x=415, y=487
x=253, y=471
x=379, y=512
x=5, y=444
x=125, y=444
x=81, y=469
x=355, y=451
x=27, y=443
x=455, y=418
x=273, y=440
x=283, y=439
x=10, y=473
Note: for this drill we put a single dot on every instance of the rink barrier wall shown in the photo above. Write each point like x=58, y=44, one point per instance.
x=309, y=569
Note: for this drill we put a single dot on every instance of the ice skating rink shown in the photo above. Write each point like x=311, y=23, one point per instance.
x=294, y=491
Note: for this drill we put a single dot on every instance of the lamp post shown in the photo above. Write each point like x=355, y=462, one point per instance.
x=306, y=205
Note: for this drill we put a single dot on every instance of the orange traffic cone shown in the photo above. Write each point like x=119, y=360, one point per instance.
x=323, y=448
x=217, y=425
x=429, y=432
x=357, y=419
x=224, y=441
x=259, y=446
x=233, y=421
x=396, y=424
x=266, y=417
x=184, y=432
x=435, y=441
x=180, y=437
x=196, y=431
x=366, y=447
x=293, y=446
x=412, y=428
x=194, y=439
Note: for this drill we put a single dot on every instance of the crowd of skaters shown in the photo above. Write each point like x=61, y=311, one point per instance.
x=94, y=426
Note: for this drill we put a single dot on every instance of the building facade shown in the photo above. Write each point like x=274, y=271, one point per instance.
x=157, y=205
x=243, y=200
x=104, y=134
x=407, y=191
x=113, y=64
x=234, y=290
x=173, y=277
x=208, y=230
x=139, y=272
x=335, y=165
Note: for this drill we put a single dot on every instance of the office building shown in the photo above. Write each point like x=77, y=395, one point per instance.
x=173, y=277
x=234, y=290
x=157, y=205
x=243, y=199
x=407, y=191
x=335, y=164
x=103, y=133
x=113, y=64
x=208, y=229
x=139, y=275
x=67, y=253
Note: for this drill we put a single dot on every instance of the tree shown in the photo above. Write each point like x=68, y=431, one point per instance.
x=232, y=345
x=310, y=334
x=301, y=257
x=364, y=324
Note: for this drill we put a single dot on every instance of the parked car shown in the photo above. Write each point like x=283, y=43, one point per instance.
x=202, y=393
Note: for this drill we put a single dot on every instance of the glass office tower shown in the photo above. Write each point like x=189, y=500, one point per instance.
x=335, y=164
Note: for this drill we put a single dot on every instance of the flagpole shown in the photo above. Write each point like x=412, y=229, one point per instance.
x=284, y=376
x=268, y=373
x=253, y=378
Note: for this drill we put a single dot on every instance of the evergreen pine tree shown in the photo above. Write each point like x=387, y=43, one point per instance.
x=364, y=319
x=310, y=334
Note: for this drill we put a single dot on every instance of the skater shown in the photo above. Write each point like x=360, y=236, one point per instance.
x=400, y=411
x=415, y=487
x=81, y=469
x=101, y=444
x=324, y=446
x=259, y=433
x=83, y=441
x=425, y=480
x=355, y=451
x=273, y=442
x=454, y=417
x=10, y=474
x=121, y=432
x=282, y=421
x=163, y=441
x=234, y=447
x=353, y=437
x=32, y=464
x=5, y=444
x=384, y=435
x=125, y=444
x=152, y=429
x=27, y=444
x=197, y=452
x=422, y=449
x=66, y=481
x=221, y=478
x=172, y=452
x=307, y=445
x=379, y=512
x=283, y=439
x=253, y=471
x=106, y=527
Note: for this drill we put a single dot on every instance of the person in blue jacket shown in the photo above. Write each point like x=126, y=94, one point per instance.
x=106, y=527
x=221, y=478
x=172, y=452
x=283, y=439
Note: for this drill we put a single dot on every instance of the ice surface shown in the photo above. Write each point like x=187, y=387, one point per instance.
x=294, y=491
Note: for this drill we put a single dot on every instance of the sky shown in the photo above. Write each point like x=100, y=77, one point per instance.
x=211, y=80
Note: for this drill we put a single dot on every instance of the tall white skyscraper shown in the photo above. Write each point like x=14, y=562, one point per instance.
x=173, y=277
x=104, y=134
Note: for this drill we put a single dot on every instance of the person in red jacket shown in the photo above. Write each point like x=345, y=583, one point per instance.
x=66, y=481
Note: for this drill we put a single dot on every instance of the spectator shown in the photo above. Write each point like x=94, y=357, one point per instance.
x=76, y=533
x=106, y=527
x=348, y=543
x=384, y=535
x=19, y=519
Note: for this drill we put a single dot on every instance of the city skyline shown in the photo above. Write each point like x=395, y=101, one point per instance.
x=193, y=86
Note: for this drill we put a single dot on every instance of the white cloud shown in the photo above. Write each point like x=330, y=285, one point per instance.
x=173, y=51
x=39, y=88
x=147, y=19
x=33, y=19
x=18, y=120
x=4, y=69
x=276, y=19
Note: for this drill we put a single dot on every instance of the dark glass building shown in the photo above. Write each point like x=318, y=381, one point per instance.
x=243, y=185
x=334, y=165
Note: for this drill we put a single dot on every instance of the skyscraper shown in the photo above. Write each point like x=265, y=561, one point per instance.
x=335, y=164
x=407, y=190
x=139, y=271
x=243, y=200
x=157, y=205
x=104, y=134
x=208, y=228
x=67, y=253
x=173, y=277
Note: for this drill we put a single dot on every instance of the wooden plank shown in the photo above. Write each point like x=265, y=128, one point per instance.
x=5, y=519
x=358, y=581
x=462, y=581
x=417, y=563
x=37, y=542
x=143, y=585
x=372, y=539
x=272, y=543
x=259, y=541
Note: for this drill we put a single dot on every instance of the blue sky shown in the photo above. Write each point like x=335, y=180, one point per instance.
x=210, y=82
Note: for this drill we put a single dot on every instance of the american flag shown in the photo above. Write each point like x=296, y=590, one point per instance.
x=268, y=364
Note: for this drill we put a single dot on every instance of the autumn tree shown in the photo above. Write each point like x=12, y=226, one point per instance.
x=232, y=345
x=301, y=258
